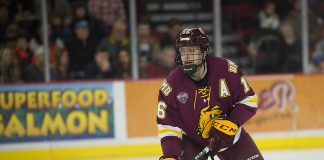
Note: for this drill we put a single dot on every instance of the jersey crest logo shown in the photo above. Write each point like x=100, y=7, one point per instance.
x=207, y=115
x=183, y=97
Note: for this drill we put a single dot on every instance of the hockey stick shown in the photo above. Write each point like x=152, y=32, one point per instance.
x=206, y=150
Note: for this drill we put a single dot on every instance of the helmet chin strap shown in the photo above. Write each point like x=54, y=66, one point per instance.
x=202, y=74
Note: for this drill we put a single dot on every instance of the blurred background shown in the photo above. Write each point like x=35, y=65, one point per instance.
x=79, y=78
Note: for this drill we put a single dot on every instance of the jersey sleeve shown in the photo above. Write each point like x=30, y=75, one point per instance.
x=169, y=123
x=243, y=97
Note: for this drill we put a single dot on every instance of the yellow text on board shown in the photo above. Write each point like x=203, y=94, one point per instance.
x=46, y=99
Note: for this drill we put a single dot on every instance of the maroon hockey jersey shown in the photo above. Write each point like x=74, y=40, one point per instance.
x=185, y=108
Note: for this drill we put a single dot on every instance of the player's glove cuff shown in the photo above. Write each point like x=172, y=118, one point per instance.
x=224, y=131
x=226, y=125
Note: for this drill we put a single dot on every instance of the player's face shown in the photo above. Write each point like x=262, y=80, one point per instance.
x=190, y=55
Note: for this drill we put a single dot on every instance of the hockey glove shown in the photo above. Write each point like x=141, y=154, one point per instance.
x=224, y=131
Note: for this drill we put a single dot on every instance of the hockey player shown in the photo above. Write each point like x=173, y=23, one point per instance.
x=205, y=102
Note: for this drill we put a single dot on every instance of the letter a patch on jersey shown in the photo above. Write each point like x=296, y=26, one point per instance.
x=223, y=89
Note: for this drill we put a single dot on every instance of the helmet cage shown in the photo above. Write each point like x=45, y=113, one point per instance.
x=192, y=37
x=201, y=52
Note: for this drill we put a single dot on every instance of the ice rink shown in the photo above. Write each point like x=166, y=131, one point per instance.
x=309, y=154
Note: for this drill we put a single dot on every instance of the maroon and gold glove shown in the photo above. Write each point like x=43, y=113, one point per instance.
x=224, y=131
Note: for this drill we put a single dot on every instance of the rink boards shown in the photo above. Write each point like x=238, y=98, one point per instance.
x=109, y=119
